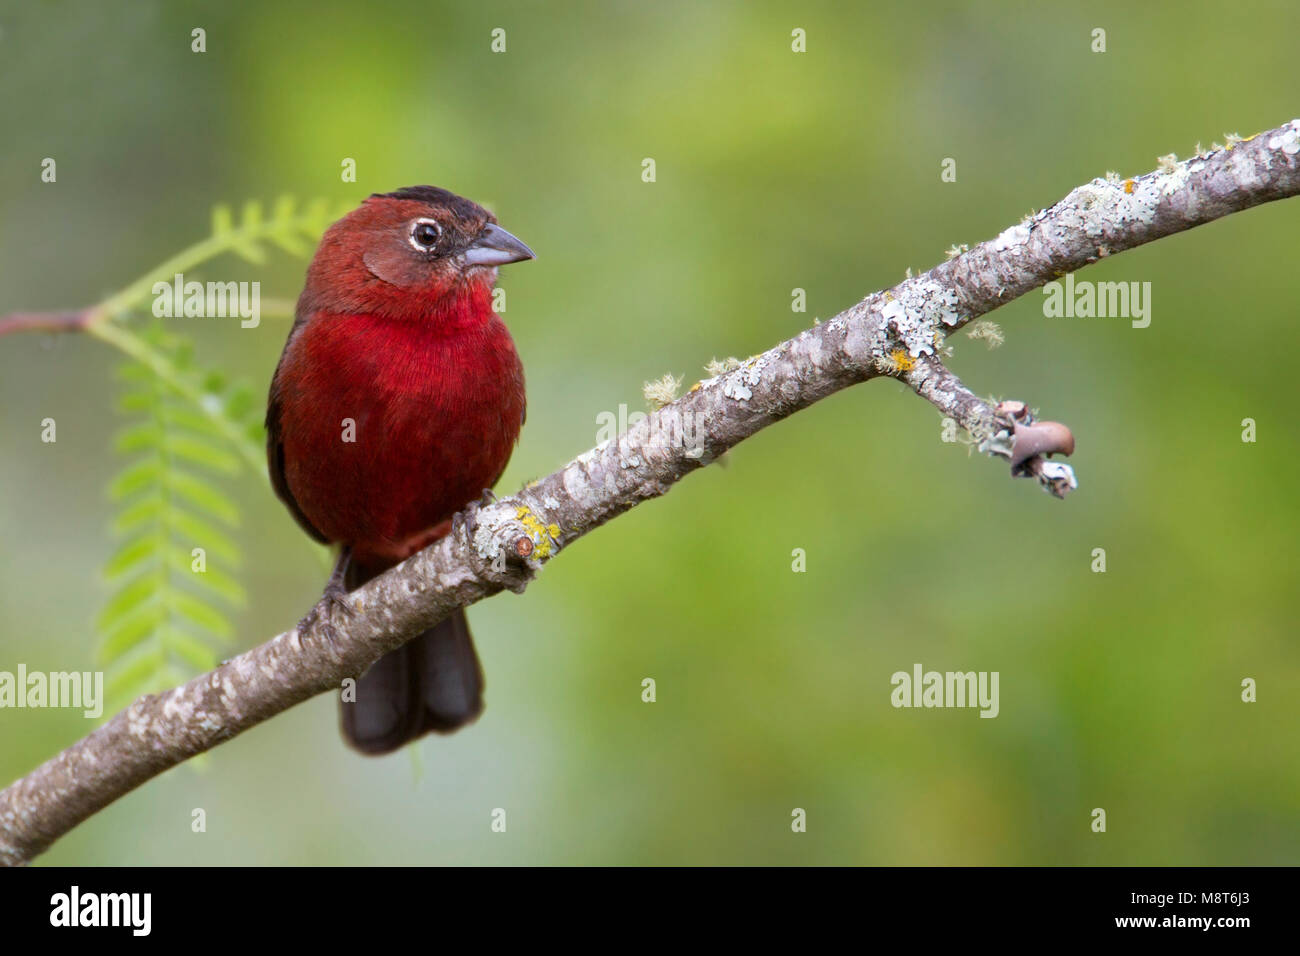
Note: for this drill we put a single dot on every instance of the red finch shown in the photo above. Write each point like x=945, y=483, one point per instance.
x=397, y=401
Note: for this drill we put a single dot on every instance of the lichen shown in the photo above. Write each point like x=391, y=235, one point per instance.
x=1175, y=178
x=898, y=361
x=739, y=383
x=1101, y=203
x=1009, y=240
x=735, y=389
x=1288, y=142
x=754, y=369
x=917, y=310
x=543, y=535
x=989, y=331
x=495, y=531
x=661, y=391
x=997, y=442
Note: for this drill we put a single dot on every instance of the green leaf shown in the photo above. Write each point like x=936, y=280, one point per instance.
x=316, y=216
x=251, y=218
x=183, y=355
x=135, y=374
x=290, y=243
x=131, y=631
x=203, y=496
x=213, y=579
x=130, y=557
x=145, y=473
x=201, y=452
x=195, y=532
x=125, y=601
x=200, y=614
x=134, y=673
x=214, y=381
x=240, y=400
x=188, y=421
x=194, y=652
x=142, y=512
x=222, y=223
x=145, y=436
x=250, y=251
x=282, y=211
x=189, y=418
x=129, y=402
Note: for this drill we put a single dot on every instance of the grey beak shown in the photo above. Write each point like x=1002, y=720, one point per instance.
x=495, y=247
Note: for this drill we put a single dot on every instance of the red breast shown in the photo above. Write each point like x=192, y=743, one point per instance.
x=392, y=428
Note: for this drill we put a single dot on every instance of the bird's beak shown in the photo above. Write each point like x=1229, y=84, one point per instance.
x=495, y=247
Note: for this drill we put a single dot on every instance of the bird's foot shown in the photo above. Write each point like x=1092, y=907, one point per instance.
x=468, y=519
x=321, y=617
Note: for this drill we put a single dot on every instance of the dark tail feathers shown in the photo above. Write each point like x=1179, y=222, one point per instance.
x=432, y=683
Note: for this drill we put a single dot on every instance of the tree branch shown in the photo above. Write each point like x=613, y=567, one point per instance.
x=896, y=333
x=46, y=321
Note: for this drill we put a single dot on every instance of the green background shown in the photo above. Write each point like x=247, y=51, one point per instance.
x=776, y=170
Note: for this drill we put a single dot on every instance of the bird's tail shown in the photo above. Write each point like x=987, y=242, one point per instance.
x=432, y=683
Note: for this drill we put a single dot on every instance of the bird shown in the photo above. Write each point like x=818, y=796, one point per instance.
x=396, y=403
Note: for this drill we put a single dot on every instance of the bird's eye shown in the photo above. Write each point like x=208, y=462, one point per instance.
x=425, y=234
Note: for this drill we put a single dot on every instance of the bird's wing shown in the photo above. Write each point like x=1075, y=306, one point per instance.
x=275, y=445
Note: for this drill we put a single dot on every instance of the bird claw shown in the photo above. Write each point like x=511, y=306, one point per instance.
x=468, y=519
x=321, y=616
x=464, y=521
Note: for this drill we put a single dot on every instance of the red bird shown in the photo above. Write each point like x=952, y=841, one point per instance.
x=397, y=401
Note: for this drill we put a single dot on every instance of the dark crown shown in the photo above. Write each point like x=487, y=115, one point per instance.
x=457, y=205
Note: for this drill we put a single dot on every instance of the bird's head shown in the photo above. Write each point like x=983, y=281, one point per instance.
x=409, y=249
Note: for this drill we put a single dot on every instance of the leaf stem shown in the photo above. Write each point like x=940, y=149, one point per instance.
x=131, y=344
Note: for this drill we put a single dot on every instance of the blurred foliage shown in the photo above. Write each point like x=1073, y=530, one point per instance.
x=162, y=584
x=165, y=609
x=775, y=171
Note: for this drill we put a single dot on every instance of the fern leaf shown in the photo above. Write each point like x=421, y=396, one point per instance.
x=201, y=451
x=203, y=495
x=223, y=223
x=131, y=631
x=136, y=477
x=125, y=601
x=136, y=516
x=133, y=555
x=203, y=533
x=194, y=652
x=166, y=612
